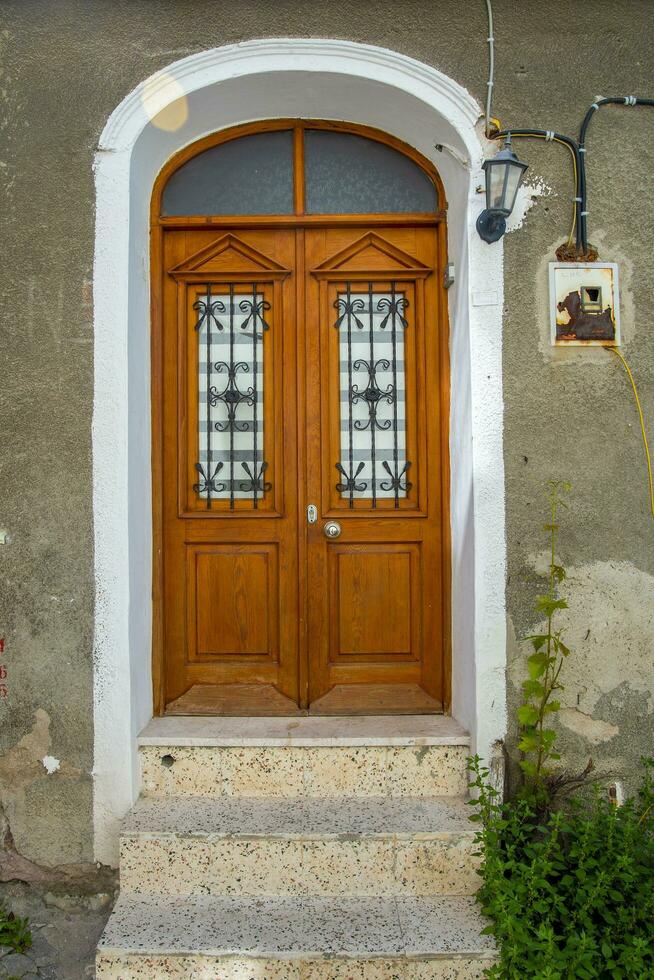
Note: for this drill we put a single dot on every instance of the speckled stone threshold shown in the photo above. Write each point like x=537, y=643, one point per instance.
x=310, y=731
x=293, y=939
x=340, y=818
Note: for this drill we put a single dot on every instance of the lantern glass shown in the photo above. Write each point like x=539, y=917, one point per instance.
x=496, y=176
x=513, y=180
x=503, y=175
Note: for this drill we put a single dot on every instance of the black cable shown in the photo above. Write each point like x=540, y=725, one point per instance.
x=558, y=137
x=579, y=150
x=582, y=193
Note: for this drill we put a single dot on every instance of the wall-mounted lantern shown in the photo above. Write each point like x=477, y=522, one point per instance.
x=504, y=173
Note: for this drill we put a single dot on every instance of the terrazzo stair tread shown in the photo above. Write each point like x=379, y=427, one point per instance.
x=279, y=847
x=296, y=928
x=414, y=818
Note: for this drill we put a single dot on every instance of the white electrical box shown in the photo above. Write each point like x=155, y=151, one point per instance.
x=584, y=304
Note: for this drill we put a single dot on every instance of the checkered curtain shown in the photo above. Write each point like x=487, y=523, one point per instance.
x=371, y=326
x=230, y=393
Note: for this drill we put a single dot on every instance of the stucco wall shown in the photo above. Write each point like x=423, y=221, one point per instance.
x=65, y=66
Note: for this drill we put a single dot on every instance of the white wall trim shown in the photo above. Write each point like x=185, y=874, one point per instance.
x=126, y=122
x=271, y=78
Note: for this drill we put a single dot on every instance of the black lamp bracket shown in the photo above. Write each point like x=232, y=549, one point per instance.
x=491, y=226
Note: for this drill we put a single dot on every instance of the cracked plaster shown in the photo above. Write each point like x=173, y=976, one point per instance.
x=609, y=628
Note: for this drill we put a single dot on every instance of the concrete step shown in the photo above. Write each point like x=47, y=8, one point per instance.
x=274, y=847
x=423, y=755
x=206, y=937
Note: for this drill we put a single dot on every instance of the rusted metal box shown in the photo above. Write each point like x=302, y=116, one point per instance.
x=584, y=304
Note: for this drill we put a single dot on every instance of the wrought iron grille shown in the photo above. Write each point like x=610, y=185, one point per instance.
x=230, y=327
x=371, y=325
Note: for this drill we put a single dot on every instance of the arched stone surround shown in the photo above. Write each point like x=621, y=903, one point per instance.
x=201, y=94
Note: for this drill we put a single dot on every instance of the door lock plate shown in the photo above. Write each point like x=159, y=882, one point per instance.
x=312, y=514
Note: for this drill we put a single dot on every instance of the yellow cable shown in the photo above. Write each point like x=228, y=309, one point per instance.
x=574, y=170
x=614, y=350
x=539, y=136
x=574, y=209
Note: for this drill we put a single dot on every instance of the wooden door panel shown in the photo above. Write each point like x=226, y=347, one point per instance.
x=233, y=602
x=230, y=472
x=374, y=603
x=376, y=345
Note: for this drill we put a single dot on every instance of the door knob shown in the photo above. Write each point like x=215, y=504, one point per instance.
x=332, y=529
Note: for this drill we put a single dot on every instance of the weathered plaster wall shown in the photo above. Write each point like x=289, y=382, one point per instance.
x=65, y=66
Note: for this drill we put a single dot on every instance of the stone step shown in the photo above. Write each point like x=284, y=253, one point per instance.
x=422, y=755
x=293, y=939
x=273, y=847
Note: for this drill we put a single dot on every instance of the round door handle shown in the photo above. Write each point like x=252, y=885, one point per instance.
x=332, y=529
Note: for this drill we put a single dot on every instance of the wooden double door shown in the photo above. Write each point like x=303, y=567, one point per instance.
x=302, y=477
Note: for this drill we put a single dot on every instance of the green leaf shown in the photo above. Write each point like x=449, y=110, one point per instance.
x=527, y=715
x=15, y=933
x=547, y=605
x=537, y=665
x=533, y=689
x=548, y=736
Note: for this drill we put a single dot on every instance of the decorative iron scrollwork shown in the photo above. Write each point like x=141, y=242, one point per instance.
x=207, y=310
x=348, y=308
x=256, y=482
x=360, y=319
x=372, y=394
x=208, y=484
x=231, y=396
x=397, y=481
x=395, y=304
x=349, y=483
x=232, y=321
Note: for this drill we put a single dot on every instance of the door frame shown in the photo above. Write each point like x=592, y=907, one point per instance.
x=208, y=91
x=298, y=221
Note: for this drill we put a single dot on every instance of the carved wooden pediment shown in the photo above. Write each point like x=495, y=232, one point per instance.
x=371, y=255
x=230, y=258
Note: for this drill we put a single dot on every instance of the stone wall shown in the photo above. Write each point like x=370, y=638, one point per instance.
x=65, y=67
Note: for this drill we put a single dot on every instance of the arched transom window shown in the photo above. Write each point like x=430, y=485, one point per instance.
x=303, y=169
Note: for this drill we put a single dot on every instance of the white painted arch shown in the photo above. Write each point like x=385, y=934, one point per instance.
x=204, y=93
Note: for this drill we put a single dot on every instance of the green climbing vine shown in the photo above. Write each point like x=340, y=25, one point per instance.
x=544, y=665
